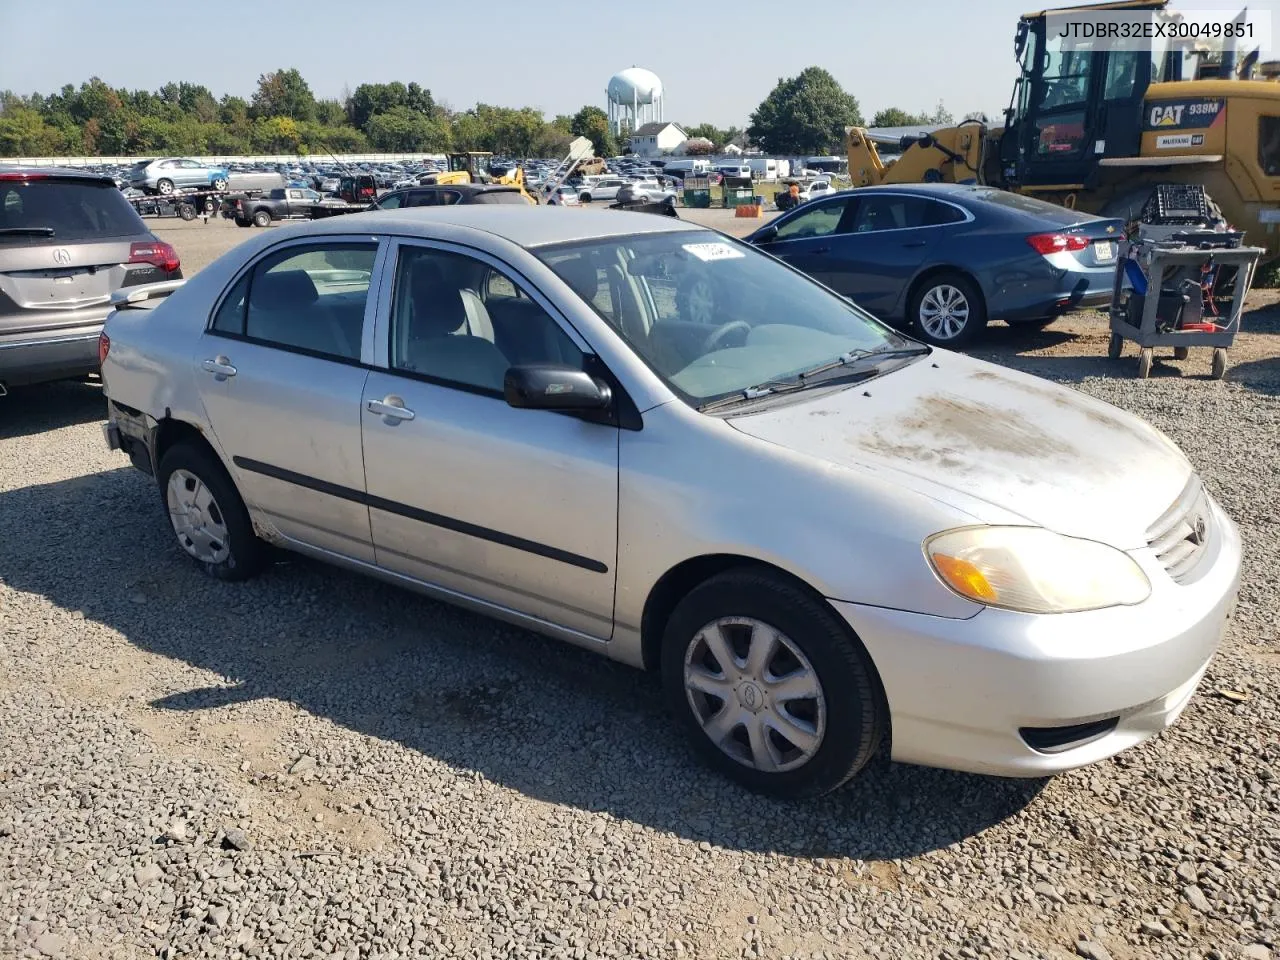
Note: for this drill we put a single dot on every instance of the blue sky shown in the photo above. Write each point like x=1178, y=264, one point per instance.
x=550, y=54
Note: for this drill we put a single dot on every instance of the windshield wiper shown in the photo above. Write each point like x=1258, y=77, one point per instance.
x=26, y=231
x=804, y=377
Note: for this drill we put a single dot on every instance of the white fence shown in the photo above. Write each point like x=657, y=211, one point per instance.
x=289, y=158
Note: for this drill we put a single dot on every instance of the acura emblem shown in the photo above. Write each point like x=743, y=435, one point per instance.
x=61, y=255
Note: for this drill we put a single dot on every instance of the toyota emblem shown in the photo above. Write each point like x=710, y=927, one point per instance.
x=61, y=255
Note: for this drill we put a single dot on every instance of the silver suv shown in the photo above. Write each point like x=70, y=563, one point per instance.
x=170, y=173
x=68, y=240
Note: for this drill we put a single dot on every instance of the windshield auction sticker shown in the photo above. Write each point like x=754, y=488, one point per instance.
x=706, y=252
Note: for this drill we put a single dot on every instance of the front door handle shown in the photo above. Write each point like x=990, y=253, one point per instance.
x=820, y=250
x=220, y=367
x=391, y=408
x=916, y=243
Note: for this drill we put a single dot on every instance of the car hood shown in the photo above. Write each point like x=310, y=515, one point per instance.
x=1000, y=445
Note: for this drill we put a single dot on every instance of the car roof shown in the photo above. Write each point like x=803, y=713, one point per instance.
x=52, y=173
x=526, y=226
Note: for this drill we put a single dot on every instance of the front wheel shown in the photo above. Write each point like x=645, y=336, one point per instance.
x=772, y=687
x=207, y=515
x=948, y=311
x=220, y=183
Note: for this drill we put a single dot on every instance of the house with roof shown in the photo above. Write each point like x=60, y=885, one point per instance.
x=657, y=139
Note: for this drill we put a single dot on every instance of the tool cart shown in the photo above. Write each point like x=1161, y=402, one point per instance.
x=1181, y=281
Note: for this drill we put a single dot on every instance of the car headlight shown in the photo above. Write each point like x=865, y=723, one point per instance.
x=1034, y=570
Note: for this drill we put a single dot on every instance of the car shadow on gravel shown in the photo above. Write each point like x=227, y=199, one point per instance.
x=551, y=721
x=27, y=411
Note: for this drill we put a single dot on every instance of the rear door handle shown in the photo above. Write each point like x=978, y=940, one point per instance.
x=391, y=409
x=220, y=367
x=915, y=243
x=820, y=250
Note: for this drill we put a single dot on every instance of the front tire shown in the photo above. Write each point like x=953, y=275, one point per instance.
x=220, y=184
x=770, y=684
x=948, y=311
x=207, y=515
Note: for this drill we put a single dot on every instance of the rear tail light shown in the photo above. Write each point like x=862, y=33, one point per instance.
x=104, y=347
x=1047, y=243
x=157, y=253
x=10, y=176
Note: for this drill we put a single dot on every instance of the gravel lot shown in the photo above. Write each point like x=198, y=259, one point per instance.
x=314, y=764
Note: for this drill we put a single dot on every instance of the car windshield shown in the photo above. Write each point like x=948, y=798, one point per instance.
x=711, y=316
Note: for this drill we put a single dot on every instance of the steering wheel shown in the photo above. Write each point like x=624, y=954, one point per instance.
x=721, y=332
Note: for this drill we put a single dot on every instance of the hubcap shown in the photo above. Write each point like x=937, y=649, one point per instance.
x=197, y=520
x=944, y=311
x=755, y=694
x=166, y=187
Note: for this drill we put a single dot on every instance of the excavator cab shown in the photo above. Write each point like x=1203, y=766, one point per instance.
x=474, y=163
x=1077, y=100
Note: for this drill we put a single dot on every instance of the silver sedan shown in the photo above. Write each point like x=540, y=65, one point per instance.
x=651, y=440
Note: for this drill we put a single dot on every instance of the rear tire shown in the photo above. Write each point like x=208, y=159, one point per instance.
x=164, y=187
x=213, y=528
x=1219, y=363
x=242, y=222
x=1115, y=346
x=262, y=219
x=186, y=211
x=1181, y=353
x=585, y=198
x=803, y=744
x=948, y=311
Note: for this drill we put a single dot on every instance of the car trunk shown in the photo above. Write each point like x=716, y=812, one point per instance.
x=51, y=281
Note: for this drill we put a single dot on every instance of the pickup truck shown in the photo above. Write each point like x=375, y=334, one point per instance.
x=287, y=203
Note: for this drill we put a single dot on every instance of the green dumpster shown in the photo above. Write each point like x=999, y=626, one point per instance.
x=738, y=191
x=697, y=192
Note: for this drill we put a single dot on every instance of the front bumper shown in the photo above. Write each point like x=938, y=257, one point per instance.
x=59, y=354
x=960, y=691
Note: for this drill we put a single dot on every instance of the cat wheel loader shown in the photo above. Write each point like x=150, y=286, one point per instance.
x=474, y=166
x=1097, y=128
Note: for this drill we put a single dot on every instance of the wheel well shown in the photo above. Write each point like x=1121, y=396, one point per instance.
x=938, y=271
x=169, y=432
x=675, y=585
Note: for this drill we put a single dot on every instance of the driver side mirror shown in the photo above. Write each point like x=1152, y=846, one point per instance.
x=548, y=386
x=766, y=235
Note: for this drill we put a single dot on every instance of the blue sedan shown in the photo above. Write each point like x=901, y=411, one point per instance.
x=946, y=258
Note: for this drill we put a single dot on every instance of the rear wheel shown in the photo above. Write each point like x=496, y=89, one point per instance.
x=1115, y=346
x=774, y=690
x=164, y=187
x=1181, y=353
x=585, y=198
x=262, y=219
x=186, y=211
x=948, y=310
x=1219, y=363
x=207, y=514
x=242, y=222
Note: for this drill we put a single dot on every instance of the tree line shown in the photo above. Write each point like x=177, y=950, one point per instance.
x=803, y=114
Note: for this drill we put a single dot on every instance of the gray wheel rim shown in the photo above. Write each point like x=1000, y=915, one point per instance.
x=165, y=187
x=197, y=519
x=944, y=312
x=755, y=694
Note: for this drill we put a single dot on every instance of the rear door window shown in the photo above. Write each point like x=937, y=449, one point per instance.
x=310, y=299
x=820, y=220
x=73, y=210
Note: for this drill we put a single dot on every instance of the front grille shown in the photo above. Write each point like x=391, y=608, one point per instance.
x=1180, y=536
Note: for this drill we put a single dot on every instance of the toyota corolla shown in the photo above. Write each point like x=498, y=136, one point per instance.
x=651, y=440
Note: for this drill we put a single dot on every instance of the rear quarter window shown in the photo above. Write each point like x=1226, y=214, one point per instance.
x=499, y=197
x=75, y=211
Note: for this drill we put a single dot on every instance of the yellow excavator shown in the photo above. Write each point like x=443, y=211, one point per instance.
x=474, y=166
x=1096, y=126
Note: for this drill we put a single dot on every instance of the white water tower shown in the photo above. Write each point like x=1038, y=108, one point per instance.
x=634, y=99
